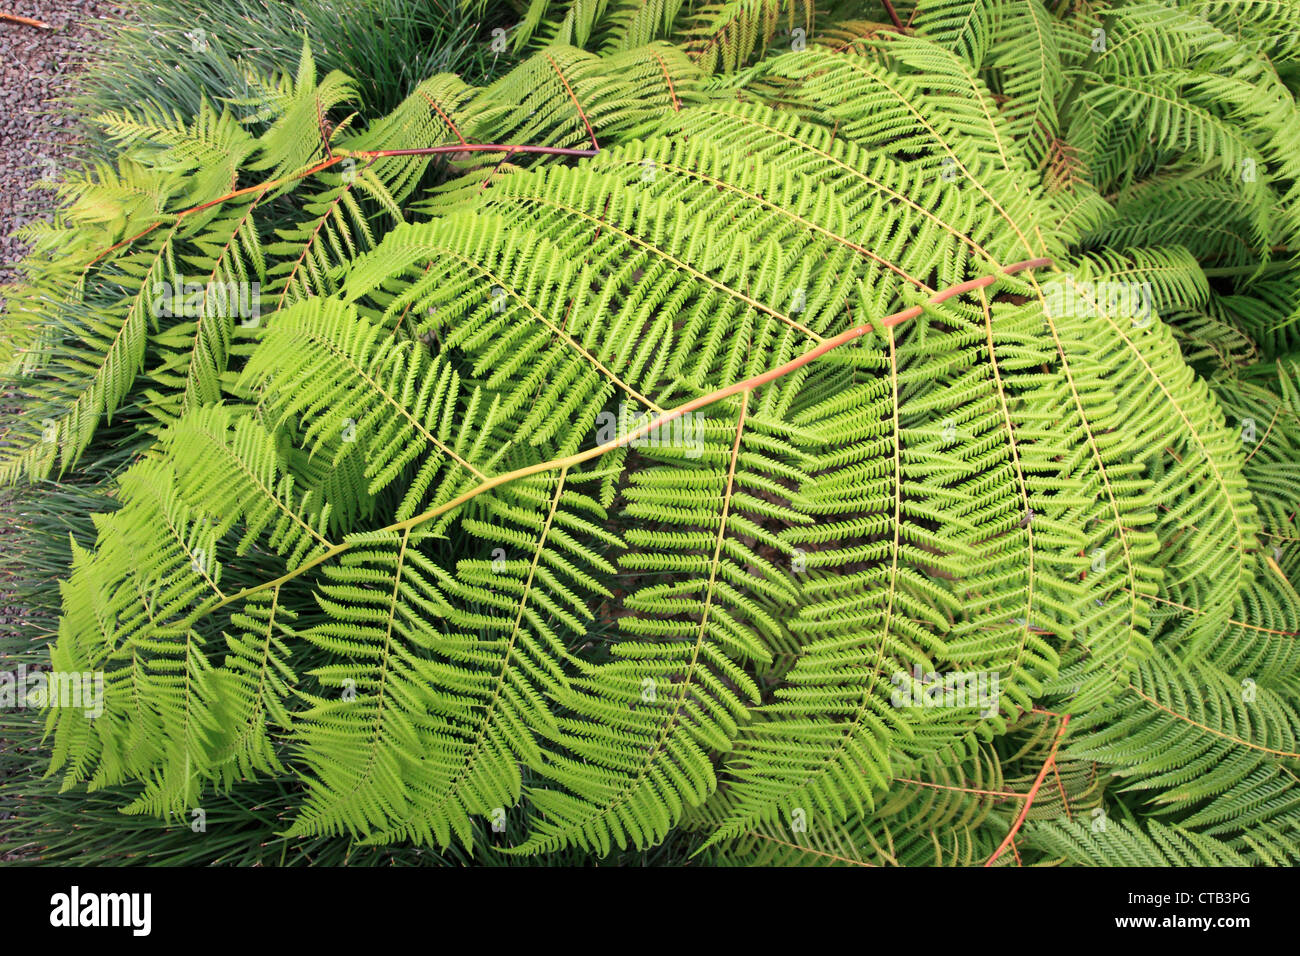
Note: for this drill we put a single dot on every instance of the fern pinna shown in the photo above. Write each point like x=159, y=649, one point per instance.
x=637, y=443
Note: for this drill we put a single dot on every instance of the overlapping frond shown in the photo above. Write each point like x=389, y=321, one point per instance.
x=859, y=458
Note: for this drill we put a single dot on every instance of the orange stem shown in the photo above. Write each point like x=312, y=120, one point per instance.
x=1033, y=792
x=371, y=154
x=578, y=458
x=25, y=21
x=893, y=16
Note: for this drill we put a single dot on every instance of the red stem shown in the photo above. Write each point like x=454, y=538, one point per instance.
x=477, y=148
x=889, y=8
x=573, y=96
x=1033, y=792
x=371, y=154
x=832, y=343
x=25, y=21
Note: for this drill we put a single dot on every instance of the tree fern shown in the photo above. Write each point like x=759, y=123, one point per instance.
x=633, y=445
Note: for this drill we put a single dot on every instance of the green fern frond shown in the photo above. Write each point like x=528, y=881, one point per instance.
x=843, y=460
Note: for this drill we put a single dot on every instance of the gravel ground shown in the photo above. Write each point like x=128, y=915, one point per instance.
x=35, y=66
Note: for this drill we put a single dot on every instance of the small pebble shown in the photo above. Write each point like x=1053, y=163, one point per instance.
x=36, y=67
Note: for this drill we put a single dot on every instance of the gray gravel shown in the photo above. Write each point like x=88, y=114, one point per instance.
x=35, y=67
